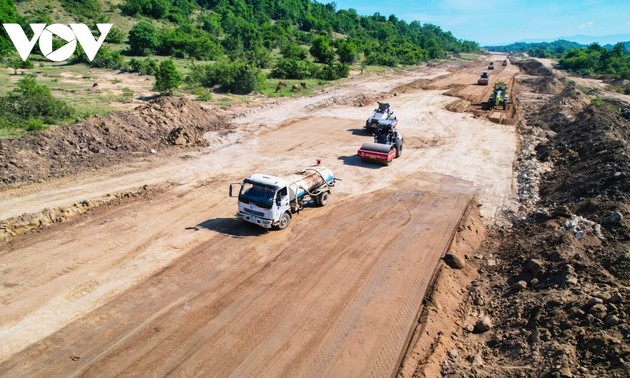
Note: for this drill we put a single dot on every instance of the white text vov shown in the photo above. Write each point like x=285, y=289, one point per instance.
x=69, y=33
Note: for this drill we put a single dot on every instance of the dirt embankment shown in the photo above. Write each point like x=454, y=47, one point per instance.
x=103, y=141
x=556, y=285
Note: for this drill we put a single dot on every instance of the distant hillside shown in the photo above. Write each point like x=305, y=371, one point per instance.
x=248, y=30
x=587, y=39
x=553, y=49
x=206, y=47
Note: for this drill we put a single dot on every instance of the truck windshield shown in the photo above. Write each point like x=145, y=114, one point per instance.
x=260, y=195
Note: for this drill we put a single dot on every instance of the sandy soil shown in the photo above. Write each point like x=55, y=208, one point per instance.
x=171, y=282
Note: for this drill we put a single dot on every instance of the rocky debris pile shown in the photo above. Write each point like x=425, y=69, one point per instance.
x=351, y=100
x=528, y=168
x=101, y=141
x=558, y=294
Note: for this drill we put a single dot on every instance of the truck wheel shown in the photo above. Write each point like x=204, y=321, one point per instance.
x=322, y=199
x=504, y=105
x=399, y=149
x=285, y=219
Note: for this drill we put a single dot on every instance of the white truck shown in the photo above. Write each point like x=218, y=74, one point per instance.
x=270, y=201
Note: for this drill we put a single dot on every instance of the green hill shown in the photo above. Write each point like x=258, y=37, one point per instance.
x=216, y=46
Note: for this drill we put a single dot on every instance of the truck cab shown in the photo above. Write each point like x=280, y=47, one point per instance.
x=262, y=199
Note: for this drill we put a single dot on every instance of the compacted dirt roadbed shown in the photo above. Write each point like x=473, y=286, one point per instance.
x=336, y=295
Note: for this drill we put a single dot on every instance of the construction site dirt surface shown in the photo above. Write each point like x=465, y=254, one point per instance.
x=498, y=246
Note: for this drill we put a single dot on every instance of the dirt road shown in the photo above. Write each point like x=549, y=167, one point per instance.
x=173, y=282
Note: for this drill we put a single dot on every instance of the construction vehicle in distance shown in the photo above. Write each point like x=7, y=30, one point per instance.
x=380, y=115
x=270, y=201
x=499, y=96
x=504, y=63
x=484, y=79
x=491, y=65
x=387, y=145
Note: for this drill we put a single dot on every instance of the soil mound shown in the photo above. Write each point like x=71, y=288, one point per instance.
x=101, y=141
x=558, y=288
x=534, y=67
x=542, y=80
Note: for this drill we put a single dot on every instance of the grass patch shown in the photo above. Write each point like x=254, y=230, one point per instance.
x=271, y=84
x=597, y=101
x=11, y=132
x=467, y=56
x=588, y=90
x=619, y=89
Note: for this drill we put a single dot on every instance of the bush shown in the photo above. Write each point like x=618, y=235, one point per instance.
x=291, y=68
x=35, y=124
x=33, y=105
x=167, y=78
x=116, y=35
x=236, y=77
x=347, y=52
x=153, y=8
x=143, y=38
x=17, y=63
x=146, y=66
x=334, y=71
x=293, y=51
x=381, y=59
x=105, y=58
x=321, y=50
x=185, y=42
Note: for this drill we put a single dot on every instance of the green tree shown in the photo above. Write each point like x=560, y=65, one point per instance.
x=236, y=77
x=167, y=78
x=291, y=68
x=8, y=14
x=347, y=52
x=146, y=66
x=142, y=38
x=321, y=49
x=153, y=8
x=334, y=71
x=116, y=35
x=294, y=51
x=211, y=22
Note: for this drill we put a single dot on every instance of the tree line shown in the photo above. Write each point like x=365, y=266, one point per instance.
x=247, y=41
x=594, y=59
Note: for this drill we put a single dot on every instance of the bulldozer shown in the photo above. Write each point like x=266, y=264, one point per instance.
x=499, y=96
x=387, y=145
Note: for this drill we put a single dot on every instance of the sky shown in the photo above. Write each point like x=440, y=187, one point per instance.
x=506, y=21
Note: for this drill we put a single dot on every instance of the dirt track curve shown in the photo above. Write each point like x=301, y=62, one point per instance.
x=171, y=283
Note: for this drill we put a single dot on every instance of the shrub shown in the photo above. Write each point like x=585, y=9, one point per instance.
x=167, y=78
x=334, y=71
x=31, y=105
x=236, y=77
x=116, y=35
x=290, y=68
x=146, y=66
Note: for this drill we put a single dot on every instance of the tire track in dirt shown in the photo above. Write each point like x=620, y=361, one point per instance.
x=262, y=317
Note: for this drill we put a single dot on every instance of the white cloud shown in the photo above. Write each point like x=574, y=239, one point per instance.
x=588, y=25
